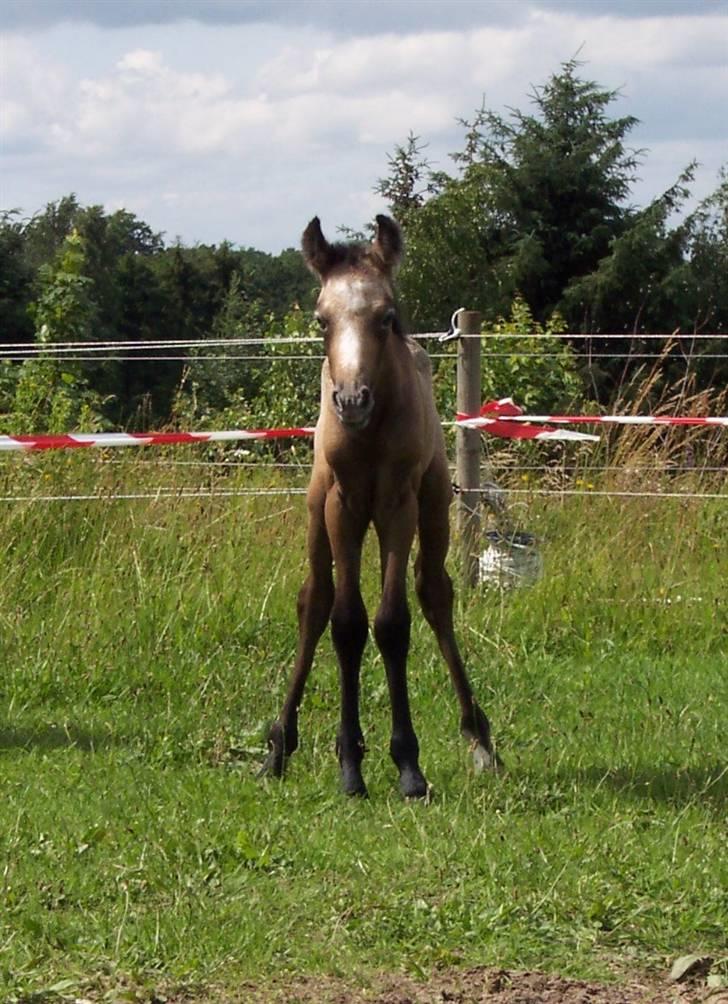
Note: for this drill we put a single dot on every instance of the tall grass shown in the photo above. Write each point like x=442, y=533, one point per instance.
x=145, y=643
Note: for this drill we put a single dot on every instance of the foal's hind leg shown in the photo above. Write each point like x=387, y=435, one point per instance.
x=314, y=608
x=435, y=593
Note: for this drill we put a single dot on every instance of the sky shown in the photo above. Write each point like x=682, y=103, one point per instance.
x=239, y=120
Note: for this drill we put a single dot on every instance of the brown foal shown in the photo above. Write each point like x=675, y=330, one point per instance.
x=379, y=457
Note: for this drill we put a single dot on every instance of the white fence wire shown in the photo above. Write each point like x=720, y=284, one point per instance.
x=194, y=351
x=174, y=494
x=33, y=348
x=177, y=350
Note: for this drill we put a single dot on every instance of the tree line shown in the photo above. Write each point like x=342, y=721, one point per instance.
x=533, y=226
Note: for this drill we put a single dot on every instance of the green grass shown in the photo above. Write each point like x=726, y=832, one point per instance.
x=146, y=644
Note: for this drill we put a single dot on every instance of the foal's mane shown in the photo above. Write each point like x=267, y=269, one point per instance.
x=348, y=255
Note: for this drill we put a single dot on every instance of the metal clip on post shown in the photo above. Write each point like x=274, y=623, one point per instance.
x=453, y=331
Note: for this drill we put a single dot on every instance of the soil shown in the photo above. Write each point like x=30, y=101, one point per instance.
x=478, y=986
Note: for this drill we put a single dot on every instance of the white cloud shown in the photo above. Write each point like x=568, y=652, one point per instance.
x=369, y=65
x=33, y=94
x=146, y=105
x=652, y=42
x=437, y=64
x=291, y=119
x=141, y=62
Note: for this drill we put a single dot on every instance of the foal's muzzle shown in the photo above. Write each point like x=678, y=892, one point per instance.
x=353, y=408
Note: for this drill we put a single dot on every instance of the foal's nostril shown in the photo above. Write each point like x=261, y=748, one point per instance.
x=353, y=405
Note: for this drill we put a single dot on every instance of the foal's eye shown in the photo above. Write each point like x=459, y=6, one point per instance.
x=388, y=319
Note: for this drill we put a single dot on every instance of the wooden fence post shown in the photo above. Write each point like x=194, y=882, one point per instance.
x=468, y=445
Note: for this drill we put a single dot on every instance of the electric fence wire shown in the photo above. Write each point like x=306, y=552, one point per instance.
x=504, y=466
x=198, y=343
x=319, y=358
x=163, y=493
x=134, y=352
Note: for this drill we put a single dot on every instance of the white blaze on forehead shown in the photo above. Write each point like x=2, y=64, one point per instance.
x=348, y=353
x=353, y=294
x=346, y=299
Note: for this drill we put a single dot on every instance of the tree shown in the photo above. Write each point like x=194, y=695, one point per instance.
x=409, y=180
x=536, y=201
x=661, y=278
x=45, y=232
x=559, y=181
x=51, y=393
x=16, y=282
x=65, y=309
x=215, y=380
x=538, y=207
x=706, y=235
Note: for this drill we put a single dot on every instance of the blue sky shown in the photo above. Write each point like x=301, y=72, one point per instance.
x=240, y=120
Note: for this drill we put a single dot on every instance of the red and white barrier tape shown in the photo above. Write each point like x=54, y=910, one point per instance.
x=496, y=418
x=495, y=427
x=504, y=418
x=79, y=439
x=499, y=418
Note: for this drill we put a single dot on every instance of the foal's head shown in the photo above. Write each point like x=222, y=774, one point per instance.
x=356, y=311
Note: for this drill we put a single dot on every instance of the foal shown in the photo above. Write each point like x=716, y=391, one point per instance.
x=379, y=457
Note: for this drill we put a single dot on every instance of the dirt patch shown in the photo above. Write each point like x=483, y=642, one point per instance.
x=476, y=986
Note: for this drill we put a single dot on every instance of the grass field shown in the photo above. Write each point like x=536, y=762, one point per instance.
x=145, y=645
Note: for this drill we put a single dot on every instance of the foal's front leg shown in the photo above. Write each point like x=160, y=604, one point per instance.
x=314, y=607
x=346, y=525
x=395, y=521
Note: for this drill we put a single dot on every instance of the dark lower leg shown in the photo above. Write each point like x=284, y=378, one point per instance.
x=314, y=607
x=404, y=747
x=350, y=747
x=349, y=628
x=436, y=597
x=473, y=723
x=392, y=633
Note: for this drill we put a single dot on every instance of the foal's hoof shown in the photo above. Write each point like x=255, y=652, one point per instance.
x=412, y=784
x=275, y=763
x=475, y=727
x=352, y=783
x=486, y=759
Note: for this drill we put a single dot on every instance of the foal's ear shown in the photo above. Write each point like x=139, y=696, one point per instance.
x=317, y=252
x=388, y=245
